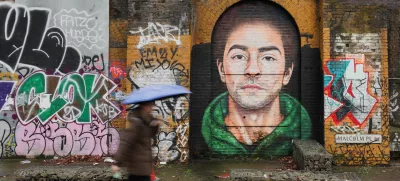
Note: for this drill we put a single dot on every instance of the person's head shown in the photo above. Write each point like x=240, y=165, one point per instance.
x=143, y=110
x=255, y=44
x=146, y=107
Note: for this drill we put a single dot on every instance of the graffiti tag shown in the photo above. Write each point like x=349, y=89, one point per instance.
x=156, y=32
x=27, y=39
x=73, y=139
x=72, y=97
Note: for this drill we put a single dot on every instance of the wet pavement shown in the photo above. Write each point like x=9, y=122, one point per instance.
x=200, y=170
x=196, y=170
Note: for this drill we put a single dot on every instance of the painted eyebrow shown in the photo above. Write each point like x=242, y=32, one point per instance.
x=241, y=47
x=269, y=48
x=262, y=49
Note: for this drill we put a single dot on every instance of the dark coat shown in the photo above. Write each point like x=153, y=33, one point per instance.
x=134, y=152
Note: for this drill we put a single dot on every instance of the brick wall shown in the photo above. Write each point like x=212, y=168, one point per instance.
x=394, y=76
x=355, y=63
x=348, y=61
x=158, y=52
x=118, y=48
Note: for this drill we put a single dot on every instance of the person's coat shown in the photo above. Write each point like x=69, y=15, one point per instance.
x=134, y=152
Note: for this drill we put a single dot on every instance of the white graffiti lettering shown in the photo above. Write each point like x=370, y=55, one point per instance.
x=164, y=149
x=82, y=28
x=156, y=32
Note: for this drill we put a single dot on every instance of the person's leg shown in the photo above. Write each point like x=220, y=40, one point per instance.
x=139, y=178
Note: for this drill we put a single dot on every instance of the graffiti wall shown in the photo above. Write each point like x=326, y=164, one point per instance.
x=259, y=79
x=8, y=122
x=247, y=75
x=355, y=98
x=394, y=90
x=117, y=69
x=160, y=54
x=118, y=73
x=85, y=26
x=394, y=78
x=56, y=96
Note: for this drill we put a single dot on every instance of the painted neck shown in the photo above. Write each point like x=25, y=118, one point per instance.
x=249, y=126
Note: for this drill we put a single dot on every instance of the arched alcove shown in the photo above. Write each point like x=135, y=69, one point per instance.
x=268, y=47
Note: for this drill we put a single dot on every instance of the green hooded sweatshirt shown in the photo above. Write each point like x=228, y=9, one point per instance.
x=296, y=125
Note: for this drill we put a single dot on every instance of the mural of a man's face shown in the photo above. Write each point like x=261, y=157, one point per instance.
x=253, y=67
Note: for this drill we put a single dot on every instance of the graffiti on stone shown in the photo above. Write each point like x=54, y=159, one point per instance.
x=82, y=28
x=349, y=91
x=84, y=25
x=28, y=38
x=64, y=139
x=165, y=150
x=157, y=33
x=5, y=89
x=5, y=131
x=71, y=97
x=158, y=65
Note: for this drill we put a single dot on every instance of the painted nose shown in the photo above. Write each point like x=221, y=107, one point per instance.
x=252, y=68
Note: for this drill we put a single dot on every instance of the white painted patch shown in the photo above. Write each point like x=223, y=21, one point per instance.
x=44, y=101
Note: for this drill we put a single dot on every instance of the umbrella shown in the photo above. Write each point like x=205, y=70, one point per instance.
x=154, y=92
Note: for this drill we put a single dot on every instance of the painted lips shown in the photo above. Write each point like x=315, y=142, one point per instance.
x=252, y=86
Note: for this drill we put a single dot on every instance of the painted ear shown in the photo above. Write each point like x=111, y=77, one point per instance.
x=221, y=70
x=287, y=75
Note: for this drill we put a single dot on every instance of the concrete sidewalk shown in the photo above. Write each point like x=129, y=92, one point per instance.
x=198, y=170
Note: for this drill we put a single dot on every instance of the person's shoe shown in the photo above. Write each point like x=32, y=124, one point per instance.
x=157, y=179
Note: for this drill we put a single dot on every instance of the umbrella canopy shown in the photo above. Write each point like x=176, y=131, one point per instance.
x=154, y=92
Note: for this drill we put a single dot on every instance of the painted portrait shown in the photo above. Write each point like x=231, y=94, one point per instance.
x=255, y=48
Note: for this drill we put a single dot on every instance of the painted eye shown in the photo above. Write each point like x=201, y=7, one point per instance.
x=268, y=59
x=239, y=57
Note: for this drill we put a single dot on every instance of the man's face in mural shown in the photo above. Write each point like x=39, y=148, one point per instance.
x=253, y=67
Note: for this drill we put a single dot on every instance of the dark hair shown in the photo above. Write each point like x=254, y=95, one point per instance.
x=257, y=11
x=138, y=106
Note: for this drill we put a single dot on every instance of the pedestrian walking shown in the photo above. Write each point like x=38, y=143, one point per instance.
x=135, y=142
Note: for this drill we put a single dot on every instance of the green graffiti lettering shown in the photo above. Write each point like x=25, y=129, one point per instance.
x=74, y=98
x=28, y=96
